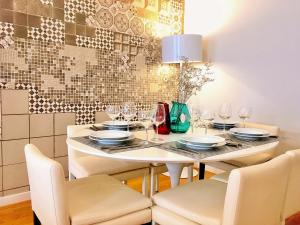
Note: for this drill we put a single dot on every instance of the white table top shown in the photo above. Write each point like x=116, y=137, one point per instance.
x=157, y=155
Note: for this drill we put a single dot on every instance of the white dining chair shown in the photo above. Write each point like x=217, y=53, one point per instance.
x=254, y=195
x=98, y=199
x=84, y=165
x=292, y=203
x=251, y=160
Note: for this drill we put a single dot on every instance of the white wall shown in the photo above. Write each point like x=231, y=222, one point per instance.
x=255, y=46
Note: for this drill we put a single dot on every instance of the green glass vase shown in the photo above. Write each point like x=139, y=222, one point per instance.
x=180, y=117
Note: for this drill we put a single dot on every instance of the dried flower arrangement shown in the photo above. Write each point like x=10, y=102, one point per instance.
x=191, y=79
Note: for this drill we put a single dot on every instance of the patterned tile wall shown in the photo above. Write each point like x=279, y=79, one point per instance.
x=80, y=55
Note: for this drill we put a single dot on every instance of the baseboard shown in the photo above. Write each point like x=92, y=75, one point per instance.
x=15, y=198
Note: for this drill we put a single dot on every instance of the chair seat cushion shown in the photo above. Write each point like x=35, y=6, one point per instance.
x=201, y=201
x=251, y=160
x=102, y=198
x=91, y=165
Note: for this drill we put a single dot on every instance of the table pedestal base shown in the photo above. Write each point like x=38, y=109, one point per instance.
x=175, y=170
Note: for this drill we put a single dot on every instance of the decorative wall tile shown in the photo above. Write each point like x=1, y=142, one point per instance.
x=51, y=30
x=72, y=7
x=104, y=18
x=121, y=22
x=45, y=145
x=14, y=176
x=41, y=125
x=137, y=26
x=47, y=2
x=116, y=59
x=19, y=98
x=62, y=120
x=106, y=3
x=15, y=127
x=6, y=34
x=103, y=40
x=61, y=148
x=13, y=151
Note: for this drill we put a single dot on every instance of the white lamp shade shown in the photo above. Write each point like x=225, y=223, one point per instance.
x=175, y=47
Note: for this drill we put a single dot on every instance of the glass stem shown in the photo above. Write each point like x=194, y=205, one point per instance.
x=157, y=132
x=244, y=123
x=147, y=136
x=205, y=129
x=224, y=130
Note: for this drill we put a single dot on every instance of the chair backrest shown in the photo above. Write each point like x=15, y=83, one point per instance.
x=47, y=188
x=292, y=203
x=256, y=194
x=274, y=130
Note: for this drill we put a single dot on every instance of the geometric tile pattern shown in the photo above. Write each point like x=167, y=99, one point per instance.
x=121, y=22
x=81, y=55
x=6, y=34
x=66, y=83
x=104, y=40
x=6, y=29
x=51, y=30
x=136, y=40
x=47, y=2
x=137, y=25
x=72, y=7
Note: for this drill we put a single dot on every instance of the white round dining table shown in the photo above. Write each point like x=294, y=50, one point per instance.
x=174, y=162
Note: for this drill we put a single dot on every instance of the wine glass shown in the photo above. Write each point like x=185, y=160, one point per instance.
x=195, y=115
x=158, y=118
x=225, y=112
x=245, y=113
x=113, y=111
x=144, y=116
x=207, y=116
x=128, y=111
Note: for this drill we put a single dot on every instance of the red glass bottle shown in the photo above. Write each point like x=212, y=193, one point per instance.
x=165, y=127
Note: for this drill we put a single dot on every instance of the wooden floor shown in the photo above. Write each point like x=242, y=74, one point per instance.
x=21, y=214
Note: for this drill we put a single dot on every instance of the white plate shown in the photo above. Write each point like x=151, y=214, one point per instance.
x=247, y=138
x=221, y=126
x=249, y=135
x=117, y=123
x=199, y=147
x=250, y=132
x=112, y=141
x=228, y=123
x=111, y=135
x=203, y=140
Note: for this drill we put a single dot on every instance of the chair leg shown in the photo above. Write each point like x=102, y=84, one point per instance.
x=156, y=182
x=36, y=220
x=71, y=176
x=152, y=182
x=145, y=185
x=201, y=171
x=190, y=174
